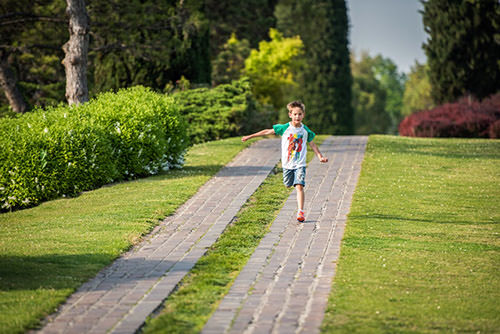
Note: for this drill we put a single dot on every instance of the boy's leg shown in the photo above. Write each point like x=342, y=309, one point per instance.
x=300, y=196
x=299, y=183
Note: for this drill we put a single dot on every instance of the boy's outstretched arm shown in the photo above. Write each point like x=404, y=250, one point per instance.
x=265, y=132
x=318, y=153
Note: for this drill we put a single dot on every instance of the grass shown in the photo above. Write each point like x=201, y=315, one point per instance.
x=199, y=293
x=46, y=252
x=421, y=251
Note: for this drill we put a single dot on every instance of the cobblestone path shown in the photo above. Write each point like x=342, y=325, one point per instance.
x=121, y=296
x=285, y=285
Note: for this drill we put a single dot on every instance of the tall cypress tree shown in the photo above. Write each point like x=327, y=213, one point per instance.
x=326, y=80
x=462, y=51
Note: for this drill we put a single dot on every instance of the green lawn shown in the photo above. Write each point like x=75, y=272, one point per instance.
x=421, y=251
x=46, y=252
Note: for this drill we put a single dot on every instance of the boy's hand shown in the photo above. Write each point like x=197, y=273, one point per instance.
x=318, y=153
x=245, y=138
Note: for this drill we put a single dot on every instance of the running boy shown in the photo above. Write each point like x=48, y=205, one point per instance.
x=294, y=139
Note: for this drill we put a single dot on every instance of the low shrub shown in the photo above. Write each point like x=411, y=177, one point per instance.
x=63, y=150
x=494, y=130
x=224, y=111
x=464, y=118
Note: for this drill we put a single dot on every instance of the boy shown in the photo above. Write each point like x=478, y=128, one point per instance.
x=294, y=136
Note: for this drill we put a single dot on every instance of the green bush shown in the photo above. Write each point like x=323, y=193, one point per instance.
x=224, y=111
x=65, y=150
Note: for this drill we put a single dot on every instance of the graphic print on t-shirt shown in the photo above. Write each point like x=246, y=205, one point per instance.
x=294, y=147
x=293, y=144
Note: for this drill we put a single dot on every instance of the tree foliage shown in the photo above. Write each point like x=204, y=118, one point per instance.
x=148, y=42
x=271, y=68
x=392, y=82
x=463, y=47
x=418, y=92
x=325, y=81
x=31, y=36
x=377, y=94
x=369, y=98
x=250, y=20
x=220, y=112
x=230, y=61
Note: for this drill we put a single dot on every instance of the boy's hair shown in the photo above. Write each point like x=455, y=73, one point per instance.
x=296, y=104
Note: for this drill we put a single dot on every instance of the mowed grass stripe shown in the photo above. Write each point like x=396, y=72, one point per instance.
x=48, y=251
x=421, y=250
x=199, y=293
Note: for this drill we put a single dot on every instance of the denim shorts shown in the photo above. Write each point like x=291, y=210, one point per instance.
x=292, y=177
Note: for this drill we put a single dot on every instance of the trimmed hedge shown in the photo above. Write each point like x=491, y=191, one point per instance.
x=464, y=118
x=224, y=111
x=66, y=150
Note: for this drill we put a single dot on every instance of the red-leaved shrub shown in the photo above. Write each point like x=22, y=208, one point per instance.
x=494, y=130
x=464, y=118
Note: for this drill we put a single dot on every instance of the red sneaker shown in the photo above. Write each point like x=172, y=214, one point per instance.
x=300, y=216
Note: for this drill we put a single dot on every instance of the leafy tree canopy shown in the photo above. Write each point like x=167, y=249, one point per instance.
x=418, y=92
x=250, y=20
x=31, y=36
x=377, y=94
x=148, y=42
x=271, y=67
x=392, y=82
x=230, y=61
x=369, y=97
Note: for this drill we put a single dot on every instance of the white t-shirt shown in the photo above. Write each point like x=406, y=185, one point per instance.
x=293, y=144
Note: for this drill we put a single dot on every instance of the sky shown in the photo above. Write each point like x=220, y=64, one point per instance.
x=392, y=28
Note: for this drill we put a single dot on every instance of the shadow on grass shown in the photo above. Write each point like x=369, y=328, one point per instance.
x=209, y=170
x=454, y=155
x=70, y=271
x=450, y=148
x=377, y=216
x=187, y=171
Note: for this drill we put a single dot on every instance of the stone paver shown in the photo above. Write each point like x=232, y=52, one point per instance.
x=121, y=296
x=285, y=285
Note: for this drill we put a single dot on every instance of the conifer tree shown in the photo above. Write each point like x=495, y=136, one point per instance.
x=31, y=36
x=249, y=19
x=462, y=49
x=148, y=42
x=230, y=61
x=326, y=80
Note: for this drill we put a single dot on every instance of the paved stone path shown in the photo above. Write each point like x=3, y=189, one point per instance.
x=121, y=296
x=285, y=285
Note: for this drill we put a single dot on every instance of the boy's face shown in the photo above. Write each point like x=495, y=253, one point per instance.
x=296, y=115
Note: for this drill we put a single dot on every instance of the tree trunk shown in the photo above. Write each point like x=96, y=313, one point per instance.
x=8, y=84
x=75, y=61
